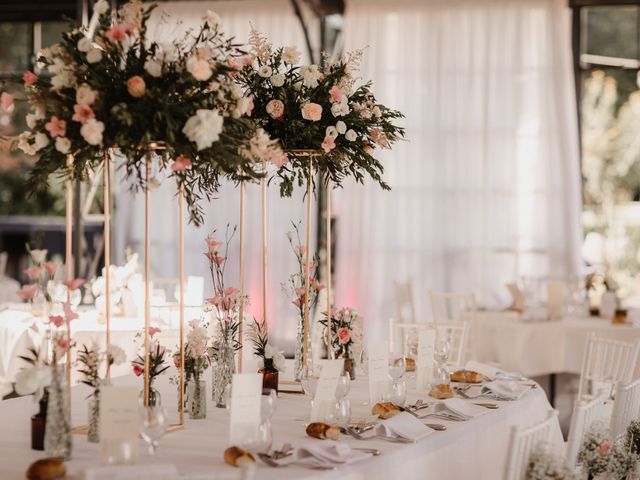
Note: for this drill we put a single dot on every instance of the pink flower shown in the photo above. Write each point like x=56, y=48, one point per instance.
x=153, y=331
x=367, y=149
x=34, y=272
x=68, y=313
x=297, y=302
x=312, y=111
x=344, y=335
x=136, y=86
x=248, y=59
x=29, y=78
x=300, y=291
x=604, y=448
x=336, y=94
x=275, y=109
x=379, y=137
x=328, y=144
x=63, y=342
x=218, y=259
x=75, y=283
x=316, y=284
x=56, y=320
x=236, y=63
x=51, y=268
x=27, y=292
x=213, y=244
x=137, y=370
x=6, y=101
x=280, y=160
x=56, y=127
x=118, y=32
x=82, y=113
x=230, y=291
x=181, y=164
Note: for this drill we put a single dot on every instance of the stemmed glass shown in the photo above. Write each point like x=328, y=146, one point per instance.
x=153, y=425
x=344, y=385
x=441, y=355
x=397, y=365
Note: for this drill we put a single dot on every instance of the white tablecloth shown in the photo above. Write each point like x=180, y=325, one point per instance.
x=474, y=449
x=539, y=348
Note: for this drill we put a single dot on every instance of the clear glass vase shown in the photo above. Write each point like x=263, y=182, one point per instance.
x=299, y=367
x=155, y=399
x=222, y=371
x=197, y=399
x=57, y=436
x=93, y=432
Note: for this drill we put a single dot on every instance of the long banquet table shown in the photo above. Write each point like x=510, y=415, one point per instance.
x=473, y=449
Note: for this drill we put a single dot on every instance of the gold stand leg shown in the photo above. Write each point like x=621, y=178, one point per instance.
x=328, y=251
x=264, y=244
x=241, y=313
x=181, y=279
x=147, y=252
x=305, y=325
x=69, y=264
x=107, y=257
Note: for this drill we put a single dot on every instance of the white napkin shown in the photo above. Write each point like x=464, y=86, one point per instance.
x=507, y=390
x=464, y=408
x=327, y=452
x=490, y=371
x=403, y=425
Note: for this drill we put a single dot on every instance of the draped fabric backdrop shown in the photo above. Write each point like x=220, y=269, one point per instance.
x=488, y=187
x=276, y=19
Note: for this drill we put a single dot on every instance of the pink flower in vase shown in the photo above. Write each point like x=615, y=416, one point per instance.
x=604, y=448
x=336, y=94
x=153, y=331
x=29, y=78
x=328, y=144
x=181, y=164
x=63, y=342
x=75, y=283
x=56, y=127
x=82, y=113
x=344, y=335
x=118, y=32
x=137, y=370
x=218, y=259
x=51, y=268
x=300, y=250
x=298, y=302
x=56, y=320
x=69, y=313
x=6, y=101
x=34, y=272
x=213, y=244
x=316, y=284
x=27, y=292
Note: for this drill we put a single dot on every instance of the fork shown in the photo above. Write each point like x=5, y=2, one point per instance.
x=272, y=463
x=357, y=436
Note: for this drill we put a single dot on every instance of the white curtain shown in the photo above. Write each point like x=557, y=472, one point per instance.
x=487, y=187
x=276, y=19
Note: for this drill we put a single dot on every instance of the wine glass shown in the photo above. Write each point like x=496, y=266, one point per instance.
x=364, y=361
x=441, y=355
x=344, y=385
x=268, y=405
x=397, y=365
x=340, y=413
x=153, y=426
x=398, y=393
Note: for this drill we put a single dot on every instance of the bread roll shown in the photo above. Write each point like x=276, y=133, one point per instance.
x=441, y=391
x=411, y=364
x=385, y=410
x=467, y=376
x=47, y=469
x=236, y=457
x=323, y=431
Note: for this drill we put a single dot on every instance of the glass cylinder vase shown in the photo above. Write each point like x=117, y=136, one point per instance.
x=222, y=371
x=93, y=432
x=197, y=398
x=57, y=436
x=299, y=367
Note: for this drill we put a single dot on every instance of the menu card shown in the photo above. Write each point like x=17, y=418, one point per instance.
x=246, y=391
x=424, y=361
x=378, y=370
x=119, y=424
x=326, y=390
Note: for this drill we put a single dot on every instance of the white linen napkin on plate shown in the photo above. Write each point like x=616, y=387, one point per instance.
x=490, y=371
x=464, y=408
x=506, y=389
x=404, y=425
x=327, y=452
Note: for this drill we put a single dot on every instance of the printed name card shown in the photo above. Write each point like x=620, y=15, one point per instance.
x=119, y=424
x=326, y=390
x=424, y=363
x=378, y=370
x=246, y=392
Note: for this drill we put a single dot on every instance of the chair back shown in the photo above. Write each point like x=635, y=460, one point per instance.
x=585, y=412
x=523, y=441
x=626, y=408
x=452, y=307
x=406, y=334
x=458, y=335
x=607, y=361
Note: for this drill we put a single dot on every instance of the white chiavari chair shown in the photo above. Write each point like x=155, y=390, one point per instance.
x=458, y=335
x=405, y=308
x=585, y=413
x=626, y=408
x=607, y=361
x=523, y=441
x=405, y=334
x=452, y=307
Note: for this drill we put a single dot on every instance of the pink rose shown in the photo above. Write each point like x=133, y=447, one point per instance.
x=280, y=160
x=136, y=86
x=82, y=114
x=367, y=149
x=27, y=292
x=56, y=320
x=34, y=272
x=328, y=144
x=312, y=111
x=29, y=78
x=153, y=331
x=344, y=335
x=336, y=94
x=6, y=101
x=75, y=283
x=200, y=69
x=181, y=164
x=379, y=137
x=137, y=370
x=51, y=268
x=275, y=108
x=118, y=32
x=56, y=127
x=604, y=448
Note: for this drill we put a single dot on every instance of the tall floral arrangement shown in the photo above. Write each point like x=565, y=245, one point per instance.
x=345, y=333
x=321, y=108
x=113, y=86
x=196, y=353
x=157, y=361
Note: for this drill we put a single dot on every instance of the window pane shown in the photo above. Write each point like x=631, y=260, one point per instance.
x=52, y=32
x=15, y=46
x=611, y=31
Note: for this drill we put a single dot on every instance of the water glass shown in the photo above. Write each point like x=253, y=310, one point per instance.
x=397, y=365
x=398, y=394
x=153, y=425
x=340, y=414
x=344, y=385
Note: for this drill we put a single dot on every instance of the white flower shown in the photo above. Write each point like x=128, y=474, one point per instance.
x=63, y=144
x=33, y=380
x=153, y=67
x=331, y=132
x=341, y=127
x=277, y=80
x=351, y=135
x=32, y=118
x=204, y=128
x=24, y=143
x=41, y=140
x=236, y=91
x=63, y=76
x=84, y=44
x=200, y=69
x=117, y=354
x=376, y=111
x=101, y=7
x=94, y=55
x=39, y=255
x=340, y=109
x=265, y=71
x=276, y=355
x=85, y=96
x=92, y=131
x=310, y=76
x=290, y=55
x=212, y=18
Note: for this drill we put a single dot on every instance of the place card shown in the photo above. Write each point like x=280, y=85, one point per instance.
x=119, y=424
x=326, y=390
x=378, y=370
x=424, y=361
x=246, y=391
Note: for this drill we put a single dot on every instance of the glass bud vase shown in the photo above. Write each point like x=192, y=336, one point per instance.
x=269, y=377
x=299, y=367
x=57, y=435
x=197, y=398
x=155, y=400
x=38, y=423
x=222, y=372
x=350, y=367
x=93, y=432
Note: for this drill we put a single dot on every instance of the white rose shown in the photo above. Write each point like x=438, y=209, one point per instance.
x=39, y=255
x=31, y=120
x=41, y=140
x=290, y=55
x=94, y=55
x=310, y=76
x=101, y=7
x=212, y=18
x=63, y=144
x=279, y=361
x=277, y=80
x=341, y=127
x=340, y=109
x=25, y=145
x=376, y=111
x=351, y=135
x=92, y=131
x=85, y=96
x=204, y=128
x=153, y=67
x=118, y=356
x=265, y=71
x=331, y=132
x=84, y=44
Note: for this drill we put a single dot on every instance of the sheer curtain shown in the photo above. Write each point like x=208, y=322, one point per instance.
x=488, y=187
x=276, y=19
